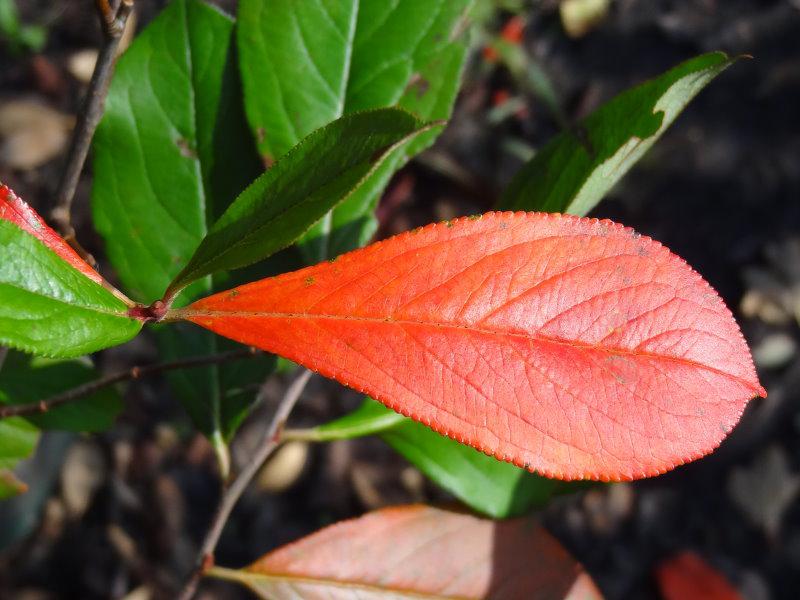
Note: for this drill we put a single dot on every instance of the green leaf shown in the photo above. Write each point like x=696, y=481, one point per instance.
x=17, y=440
x=370, y=418
x=495, y=488
x=26, y=379
x=305, y=64
x=47, y=307
x=299, y=189
x=573, y=172
x=173, y=150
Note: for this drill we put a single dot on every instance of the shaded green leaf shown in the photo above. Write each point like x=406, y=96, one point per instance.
x=26, y=379
x=305, y=64
x=173, y=150
x=573, y=172
x=492, y=487
x=17, y=440
x=299, y=189
x=47, y=307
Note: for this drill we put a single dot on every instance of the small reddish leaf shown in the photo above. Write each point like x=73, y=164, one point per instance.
x=569, y=346
x=420, y=552
x=16, y=210
x=687, y=575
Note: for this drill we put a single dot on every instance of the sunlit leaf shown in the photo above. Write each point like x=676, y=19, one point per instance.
x=48, y=307
x=305, y=64
x=171, y=153
x=573, y=347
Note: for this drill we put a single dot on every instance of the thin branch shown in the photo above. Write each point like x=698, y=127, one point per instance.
x=270, y=441
x=113, y=17
x=77, y=393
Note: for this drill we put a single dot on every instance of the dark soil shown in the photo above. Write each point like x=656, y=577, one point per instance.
x=722, y=189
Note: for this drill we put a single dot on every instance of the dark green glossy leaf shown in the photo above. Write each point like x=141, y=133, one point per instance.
x=173, y=150
x=25, y=379
x=490, y=486
x=299, y=189
x=573, y=172
x=47, y=307
x=305, y=64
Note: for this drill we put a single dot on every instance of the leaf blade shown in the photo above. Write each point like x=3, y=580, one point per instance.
x=347, y=57
x=47, y=307
x=171, y=153
x=164, y=163
x=408, y=320
x=285, y=201
x=465, y=557
x=573, y=172
x=14, y=210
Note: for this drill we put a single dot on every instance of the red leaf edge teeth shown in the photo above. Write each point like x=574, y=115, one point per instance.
x=15, y=210
x=195, y=314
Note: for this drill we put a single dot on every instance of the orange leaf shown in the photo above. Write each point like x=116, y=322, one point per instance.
x=16, y=210
x=689, y=576
x=420, y=552
x=569, y=346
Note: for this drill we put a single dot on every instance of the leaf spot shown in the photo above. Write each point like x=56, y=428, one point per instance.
x=187, y=151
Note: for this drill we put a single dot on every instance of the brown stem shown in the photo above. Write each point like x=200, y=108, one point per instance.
x=268, y=444
x=113, y=17
x=77, y=393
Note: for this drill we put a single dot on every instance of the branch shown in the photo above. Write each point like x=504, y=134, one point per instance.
x=113, y=18
x=77, y=393
x=267, y=446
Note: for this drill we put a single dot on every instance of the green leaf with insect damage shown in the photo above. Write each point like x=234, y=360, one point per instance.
x=575, y=170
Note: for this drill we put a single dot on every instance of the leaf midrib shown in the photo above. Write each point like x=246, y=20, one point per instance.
x=97, y=309
x=251, y=578
x=192, y=314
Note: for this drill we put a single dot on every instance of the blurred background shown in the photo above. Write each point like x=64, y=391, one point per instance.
x=124, y=510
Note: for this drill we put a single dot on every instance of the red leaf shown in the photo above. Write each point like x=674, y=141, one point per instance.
x=514, y=30
x=689, y=576
x=420, y=552
x=14, y=209
x=569, y=346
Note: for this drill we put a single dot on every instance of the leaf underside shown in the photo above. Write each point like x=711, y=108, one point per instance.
x=573, y=347
x=419, y=552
